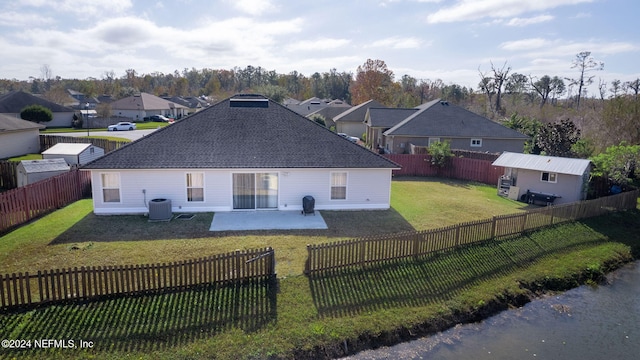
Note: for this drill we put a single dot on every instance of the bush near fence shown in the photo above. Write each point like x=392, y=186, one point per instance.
x=20, y=205
x=462, y=168
x=24, y=290
x=376, y=250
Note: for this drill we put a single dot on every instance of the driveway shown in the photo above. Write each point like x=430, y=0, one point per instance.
x=131, y=135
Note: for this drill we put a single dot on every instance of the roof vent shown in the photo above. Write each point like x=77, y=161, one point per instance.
x=249, y=102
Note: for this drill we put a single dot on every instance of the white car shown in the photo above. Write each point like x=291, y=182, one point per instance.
x=353, y=139
x=122, y=126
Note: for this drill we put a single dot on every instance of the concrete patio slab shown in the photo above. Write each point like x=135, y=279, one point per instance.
x=266, y=220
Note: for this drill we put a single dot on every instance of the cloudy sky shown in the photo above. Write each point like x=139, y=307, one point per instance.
x=451, y=40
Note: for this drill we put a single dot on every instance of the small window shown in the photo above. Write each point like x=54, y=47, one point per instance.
x=195, y=187
x=433, y=140
x=476, y=142
x=549, y=177
x=110, y=187
x=338, y=186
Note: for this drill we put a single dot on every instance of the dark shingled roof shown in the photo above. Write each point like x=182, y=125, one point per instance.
x=14, y=101
x=223, y=137
x=357, y=113
x=12, y=124
x=442, y=119
x=388, y=117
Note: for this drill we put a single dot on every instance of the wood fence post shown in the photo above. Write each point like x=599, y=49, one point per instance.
x=494, y=224
x=524, y=223
x=237, y=265
x=416, y=244
x=551, y=215
x=25, y=198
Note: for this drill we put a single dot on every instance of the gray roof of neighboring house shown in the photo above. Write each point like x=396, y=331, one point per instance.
x=223, y=136
x=66, y=149
x=388, y=117
x=144, y=101
x=14, y=101
x=553, y=164
x=14, y=124
x=441, y=119
x=45, y=165
x=357, y=113
x=332, y=110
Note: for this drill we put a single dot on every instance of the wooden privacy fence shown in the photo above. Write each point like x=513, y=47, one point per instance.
x=47, y=141
x=95, y=282
x=463, y=168
x=8, y=174
x=374, y=250
x=25, y=203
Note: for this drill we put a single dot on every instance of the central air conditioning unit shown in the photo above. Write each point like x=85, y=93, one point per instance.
x=160, y=210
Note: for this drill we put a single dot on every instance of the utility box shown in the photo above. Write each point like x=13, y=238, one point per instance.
x=160, y=210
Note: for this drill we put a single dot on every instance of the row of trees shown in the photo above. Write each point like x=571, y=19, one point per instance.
x=556, y=112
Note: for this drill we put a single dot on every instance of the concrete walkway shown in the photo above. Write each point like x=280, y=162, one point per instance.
x=266, y=220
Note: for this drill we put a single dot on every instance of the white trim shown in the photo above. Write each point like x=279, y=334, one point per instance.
x=346, y=185
x=479, y=142
x=186, y=183
x=550, y=175
x=102, y=188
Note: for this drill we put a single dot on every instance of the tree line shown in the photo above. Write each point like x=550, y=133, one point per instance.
x=557, y=112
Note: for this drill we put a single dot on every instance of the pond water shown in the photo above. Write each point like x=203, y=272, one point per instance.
x=583, y=323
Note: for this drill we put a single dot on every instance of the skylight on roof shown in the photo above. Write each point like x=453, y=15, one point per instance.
x=249, y=102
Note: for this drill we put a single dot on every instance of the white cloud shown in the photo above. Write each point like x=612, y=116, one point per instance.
x=525, y=44
x=15, y=19
x=253, y=7
x=319, y=44
x=466, y=10
x=529, y=21
x=397, y=42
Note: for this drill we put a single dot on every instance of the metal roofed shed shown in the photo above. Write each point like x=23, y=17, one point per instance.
x=30, y=171
x=74, y=154
x=564, y=179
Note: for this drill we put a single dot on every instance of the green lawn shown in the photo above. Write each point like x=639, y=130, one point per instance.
x=121, y=240
x=139, y=125
x=299, y=316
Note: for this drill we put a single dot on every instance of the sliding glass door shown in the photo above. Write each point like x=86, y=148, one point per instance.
x=255, y=191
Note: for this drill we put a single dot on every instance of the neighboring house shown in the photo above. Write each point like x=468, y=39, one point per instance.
x=244, y=153
x=308, y=106
x=193, y=103
x=137, y=107
x=73, y=154
x=564, y=178
x=437, y=121
x=351, y=122
x=18, y=137
x=30, y=171
x=333, y=109
x=379, y=120
x=13, y=102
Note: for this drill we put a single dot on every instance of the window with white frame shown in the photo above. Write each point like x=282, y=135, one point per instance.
x=433, y=140
x=476, y=142
x=110, y=187
x=549, y=177
x=338, y=185
x=195, y=187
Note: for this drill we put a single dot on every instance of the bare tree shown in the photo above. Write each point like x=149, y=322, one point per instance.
x=46, y=76
x=585, y=64
x=493, y=85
